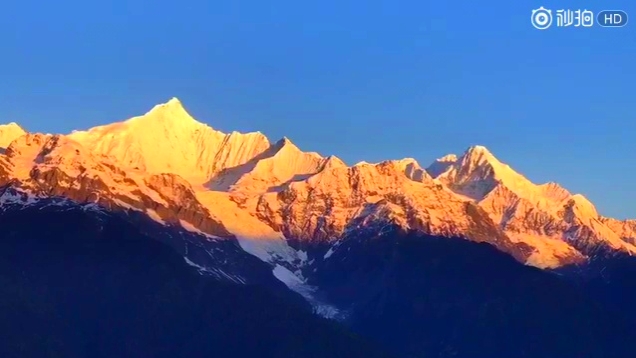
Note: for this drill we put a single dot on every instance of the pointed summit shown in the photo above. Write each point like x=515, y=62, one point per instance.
x=171, y=111
x=477, y=157
x=477, y=172
x=174, y=101
x=283, y=142
x=284, y=145
x=478, y=153
x=478, y=148
x=333, y=162
x=167, y=139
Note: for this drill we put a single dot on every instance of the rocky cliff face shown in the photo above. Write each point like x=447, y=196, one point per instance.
x=180, y=171
x=626, y=229
x=323, y=207
x=55, y=165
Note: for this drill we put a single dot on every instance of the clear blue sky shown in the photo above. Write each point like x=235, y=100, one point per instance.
x=364, y=80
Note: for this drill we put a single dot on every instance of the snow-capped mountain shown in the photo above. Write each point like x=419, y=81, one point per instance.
x=561, y=227
x=274, y=198
x=424, y=260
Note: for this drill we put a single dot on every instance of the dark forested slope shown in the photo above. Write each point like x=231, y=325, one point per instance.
x=74, y=283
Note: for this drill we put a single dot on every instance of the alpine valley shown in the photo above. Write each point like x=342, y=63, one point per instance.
x=160, y=236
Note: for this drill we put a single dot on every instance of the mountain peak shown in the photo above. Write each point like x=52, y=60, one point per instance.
x=478, y=148
x=407, y=161
x=171, y=111
x=479, y=152
x=285, y=144
x=9, y=132
x=167, y=139
x=172, y=102
x=284, y=141
x=448, y=158
x=440, y=165
x=412, y=169
x=10, y=125
x=475, y=173
x=479, y=157
x=476, y=157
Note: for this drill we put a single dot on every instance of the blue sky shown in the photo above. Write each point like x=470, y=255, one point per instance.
x=365, y=80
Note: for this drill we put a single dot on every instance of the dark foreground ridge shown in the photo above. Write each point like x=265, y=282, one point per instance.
x=424, y=296
x=78, y=281
x=74, y=284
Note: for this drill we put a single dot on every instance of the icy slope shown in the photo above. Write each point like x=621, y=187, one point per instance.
x=280, y=164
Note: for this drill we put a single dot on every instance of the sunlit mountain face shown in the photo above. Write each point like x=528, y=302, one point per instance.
x=161, y=236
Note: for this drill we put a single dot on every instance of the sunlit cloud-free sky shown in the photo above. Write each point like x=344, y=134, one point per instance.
x=364, y=80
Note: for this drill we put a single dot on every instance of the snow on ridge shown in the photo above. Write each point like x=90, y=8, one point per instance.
x=273, y=251
x=153, y=215
x=333, y=248
x=294, y=283
x=214, y=272
x=26, y=198
x=12, y=197
x=191, y=228
x=287, y=266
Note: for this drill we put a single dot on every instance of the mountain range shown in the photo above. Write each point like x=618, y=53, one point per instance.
x=451, y=251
